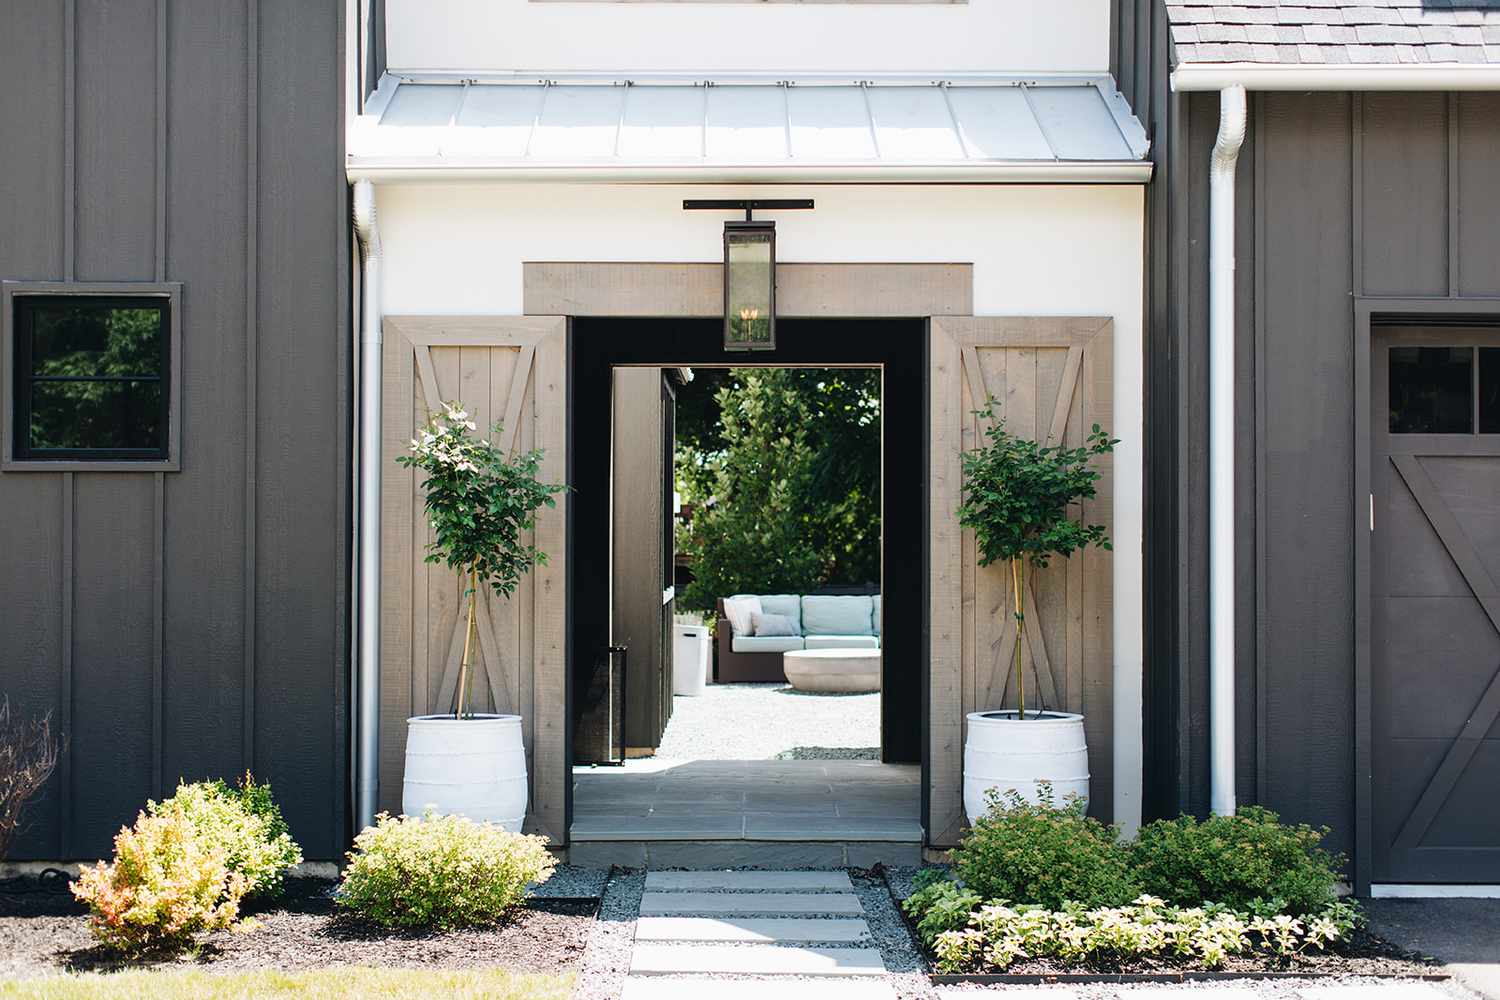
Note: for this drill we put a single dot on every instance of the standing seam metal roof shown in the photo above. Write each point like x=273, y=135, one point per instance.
x=441, y=121
x=1335, y=32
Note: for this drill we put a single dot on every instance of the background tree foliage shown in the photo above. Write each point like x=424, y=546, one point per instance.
x=783, y=468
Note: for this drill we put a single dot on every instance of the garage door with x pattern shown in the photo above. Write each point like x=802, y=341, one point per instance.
x=1435, y=606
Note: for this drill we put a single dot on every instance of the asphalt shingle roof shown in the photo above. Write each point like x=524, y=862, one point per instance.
x=1312, y=32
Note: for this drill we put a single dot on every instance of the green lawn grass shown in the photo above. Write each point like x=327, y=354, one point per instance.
x=325, y=984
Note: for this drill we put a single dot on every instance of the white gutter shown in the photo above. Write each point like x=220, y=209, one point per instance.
x=1351, y=76
x=367, y=676
x=1221, y=352
x=997, y=172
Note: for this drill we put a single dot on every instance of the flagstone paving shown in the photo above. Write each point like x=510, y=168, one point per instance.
x=789, y=934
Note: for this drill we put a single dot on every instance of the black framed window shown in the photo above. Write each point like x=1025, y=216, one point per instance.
x=91, y=377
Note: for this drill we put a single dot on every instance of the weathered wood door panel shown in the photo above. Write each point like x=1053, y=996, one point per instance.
x=1051, y=380
x=1435, y=606
x=510, y=370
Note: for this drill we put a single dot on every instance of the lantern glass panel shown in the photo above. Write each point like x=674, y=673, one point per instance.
x=749, y=263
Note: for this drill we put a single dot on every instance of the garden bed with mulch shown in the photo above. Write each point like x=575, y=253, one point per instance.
x=1364, y=954
x=43, y=930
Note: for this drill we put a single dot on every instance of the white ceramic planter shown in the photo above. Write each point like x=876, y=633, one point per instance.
x=689, y=659
x=474, y=767
x=1004, y=752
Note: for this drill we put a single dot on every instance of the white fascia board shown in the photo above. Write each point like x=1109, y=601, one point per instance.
x=649, y=77
x=996, y=172
x=1353, y=76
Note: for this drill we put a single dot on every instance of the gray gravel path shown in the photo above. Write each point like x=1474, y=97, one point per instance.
x=606, y=959
x=572, y=882
x=906, y=969
x=769, y=721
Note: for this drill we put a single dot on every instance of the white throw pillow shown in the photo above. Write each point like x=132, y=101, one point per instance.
x=767, y=624
x=739, y=610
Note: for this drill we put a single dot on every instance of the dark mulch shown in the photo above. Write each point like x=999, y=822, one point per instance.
x=43, y=930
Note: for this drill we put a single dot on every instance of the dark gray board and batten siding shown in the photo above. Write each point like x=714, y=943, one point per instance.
x=1339, y=195
x=193, y=623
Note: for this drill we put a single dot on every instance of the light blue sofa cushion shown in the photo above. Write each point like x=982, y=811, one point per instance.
x=843, y=642
x=765, y=643
x=829, y=615
x=875, y=614
x=789, y=605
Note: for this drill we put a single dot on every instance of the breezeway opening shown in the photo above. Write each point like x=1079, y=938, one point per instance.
x=848, y=778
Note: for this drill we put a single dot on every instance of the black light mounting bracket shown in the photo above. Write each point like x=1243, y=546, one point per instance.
x=736, y=205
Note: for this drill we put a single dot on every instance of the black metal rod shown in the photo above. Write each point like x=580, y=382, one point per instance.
x=732, y=205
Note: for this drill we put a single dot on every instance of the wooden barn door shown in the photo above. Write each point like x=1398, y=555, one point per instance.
x=511, y=370
x=1050, y=378
x=1435, y=607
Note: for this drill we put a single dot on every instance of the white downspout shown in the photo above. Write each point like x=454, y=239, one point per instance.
x=1221, y=353
x=367, y=677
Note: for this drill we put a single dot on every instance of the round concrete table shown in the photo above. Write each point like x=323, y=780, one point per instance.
x=841, y=670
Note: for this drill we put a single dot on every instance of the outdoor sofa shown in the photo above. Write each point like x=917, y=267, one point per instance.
x=817, y=621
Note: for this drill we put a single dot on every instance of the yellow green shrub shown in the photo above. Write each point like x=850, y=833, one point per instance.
x=165, y=885
x=439, y=871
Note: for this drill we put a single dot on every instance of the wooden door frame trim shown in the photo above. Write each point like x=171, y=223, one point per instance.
x=1371, y=312
x=821, y=290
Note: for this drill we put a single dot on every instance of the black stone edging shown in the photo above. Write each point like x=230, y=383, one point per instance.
x=1037, y=979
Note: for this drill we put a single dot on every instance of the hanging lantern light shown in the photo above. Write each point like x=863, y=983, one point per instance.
x=749, y=286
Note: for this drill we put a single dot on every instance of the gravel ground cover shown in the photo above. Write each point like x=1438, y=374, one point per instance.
x=43, y=930
x=606, y=959
x=772, y=721
x=572, y=882
x=906, y=967
x=1367, y=955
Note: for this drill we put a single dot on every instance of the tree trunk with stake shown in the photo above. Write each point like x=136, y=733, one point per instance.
x=1018, y=577
x=461, y=692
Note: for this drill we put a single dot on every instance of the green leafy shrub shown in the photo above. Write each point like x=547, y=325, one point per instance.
x=1017, y=498
x=166, y=884
x=481, y=503
x=1044, y=854
x=243, y=824
x=439, y=871
x=1249, y=861
x=939, y=905
x=997, y=935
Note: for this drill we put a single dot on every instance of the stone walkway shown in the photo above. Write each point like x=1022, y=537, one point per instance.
x=732, y=935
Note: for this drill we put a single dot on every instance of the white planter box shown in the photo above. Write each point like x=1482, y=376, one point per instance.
x=474, y=767
x=1005, y=753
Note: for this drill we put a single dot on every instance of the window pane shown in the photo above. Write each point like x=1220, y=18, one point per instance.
x=96, y=415
x=1432, y=390
x=1489, y=390
x=88, y=338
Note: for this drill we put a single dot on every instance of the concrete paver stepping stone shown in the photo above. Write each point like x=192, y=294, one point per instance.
x=1375, y=991
x=754, y=960
x=748, y=904
x=764, y=930
x=751, y=880
x=662, y=988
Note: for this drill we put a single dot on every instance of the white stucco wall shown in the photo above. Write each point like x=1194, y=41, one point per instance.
x=982, y=35
x=1060, y=250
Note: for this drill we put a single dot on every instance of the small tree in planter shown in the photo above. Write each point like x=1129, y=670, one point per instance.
x=1016, y=495
x=480, y=503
